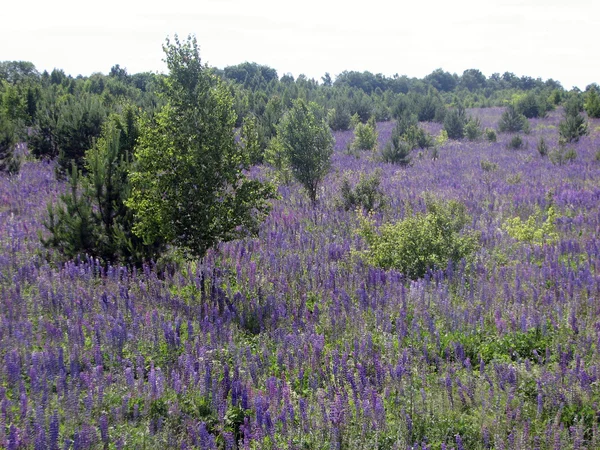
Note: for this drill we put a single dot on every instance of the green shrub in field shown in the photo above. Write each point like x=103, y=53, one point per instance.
x=422, y=241
x=365, y=136
x=515, y=143
x=533, y=230
x=473, y=131
x=488, y=166
x=454, y=123
x=562, y=155
x=397, y=151
x=542, y=147
x=512, y=121
x=490, y=135
x=367, y=195
x=572, y=128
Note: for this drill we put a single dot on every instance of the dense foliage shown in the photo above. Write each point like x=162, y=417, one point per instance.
x=92, y=217
x=422, y=242
x=366, y=195
x=188, y=186
x=512, y=121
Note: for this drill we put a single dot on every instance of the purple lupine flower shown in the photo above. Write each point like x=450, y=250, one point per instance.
x=103, y=427
x=13, y=440
x=207, y=440
x=459, y=443
x=23, y=404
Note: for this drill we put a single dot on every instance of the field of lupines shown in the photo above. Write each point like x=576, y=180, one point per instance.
x=291, y=340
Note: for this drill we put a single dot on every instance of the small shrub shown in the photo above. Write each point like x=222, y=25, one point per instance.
x=365, y=136
x=417, y=137
x=339, y=118
x=542, y=147
x=488, y=166
x=472, y=129
x=532, y=106
x=399, y=148
x=562, y=155
x=573, y=105
x=420, y=242
x=441, y=139
x=514, y=179
x=572, y=128
x=405, y=121
x=490, y=135
x=533, y=230
x=397, y=151
x=512, y=121
x=454, y=123
x=275, y=156
x=516, y=142
x=367, y=195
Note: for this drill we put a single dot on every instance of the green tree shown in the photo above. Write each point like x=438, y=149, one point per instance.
x=572, y=128
x=365, y=135
x=307, y=144
x=454, y=123
x=188, y=185
x=592, y=103
x=397, y=150
x=532, y=106
x=66, y=126
x=92, y=218
x=9, y=162
x=512, y=121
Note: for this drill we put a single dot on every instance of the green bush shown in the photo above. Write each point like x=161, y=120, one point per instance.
x=572, y=128
x=65, y=127
x=365, y=136
x=516, y=142
x=573, y=105
x=488, y=166
x=542, y=147
x=472, y=129
x=92, y=218
x=454, y=123
x=490, y=135
x=417, y=137
x=367, y=195
x=562, y=155
x=339, y=118
x=405, y=121
x=397, y=151
x=592, y=104
x=420, y=242
x=512, y=121
x=532, y=106
x=399, y=148
x=534, y=230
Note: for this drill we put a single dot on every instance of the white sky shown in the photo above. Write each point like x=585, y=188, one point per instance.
x=540, y=38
